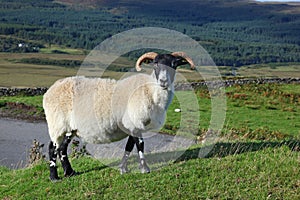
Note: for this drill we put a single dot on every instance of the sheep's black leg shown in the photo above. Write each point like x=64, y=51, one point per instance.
x=52, y=158
x=63, y=155
x=140, y=147
x=130, y=144
x=128, y=148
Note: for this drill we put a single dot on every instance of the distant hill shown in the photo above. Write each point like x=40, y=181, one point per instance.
x=188, y=4
x=235, y=32
x=87, y=3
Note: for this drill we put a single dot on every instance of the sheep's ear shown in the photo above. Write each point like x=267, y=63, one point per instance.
x=184, y=59
x=178, y=61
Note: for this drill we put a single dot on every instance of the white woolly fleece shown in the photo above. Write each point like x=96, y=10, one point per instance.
x=104, y=110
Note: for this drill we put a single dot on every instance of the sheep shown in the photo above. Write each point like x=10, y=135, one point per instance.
x=105, y=110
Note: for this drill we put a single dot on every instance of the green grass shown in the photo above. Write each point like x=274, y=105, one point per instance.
x=267, y=172
x=269, y=111
x=62, y=50
x=35, y=101
x=22, y=107
x=271, y=107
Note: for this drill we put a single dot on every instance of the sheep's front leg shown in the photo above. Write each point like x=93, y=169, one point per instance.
x=128, y=148
x=63, y=155
x=139, y=142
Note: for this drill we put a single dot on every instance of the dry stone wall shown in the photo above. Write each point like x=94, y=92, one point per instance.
x=184, y=86
x=22, y=91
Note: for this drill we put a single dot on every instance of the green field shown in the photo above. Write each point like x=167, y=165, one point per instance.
x=269, y=111
x=257, y=156
x=14, y=73
x=282, y=70
x=43, y=69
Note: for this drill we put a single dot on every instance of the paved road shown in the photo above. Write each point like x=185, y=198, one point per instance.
x=16, y=138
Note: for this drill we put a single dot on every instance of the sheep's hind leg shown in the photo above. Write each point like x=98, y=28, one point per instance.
x=52, y=158
x=63, y=155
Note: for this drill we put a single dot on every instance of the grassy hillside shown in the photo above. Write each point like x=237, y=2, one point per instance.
x=256, y=158
x=261, y=171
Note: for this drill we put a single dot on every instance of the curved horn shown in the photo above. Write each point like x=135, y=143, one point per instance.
x=146, y=56
x=186, y=57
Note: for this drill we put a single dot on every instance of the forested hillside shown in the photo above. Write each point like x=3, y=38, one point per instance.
x=234, y=32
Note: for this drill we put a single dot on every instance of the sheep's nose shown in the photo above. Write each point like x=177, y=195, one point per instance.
x=163, y=83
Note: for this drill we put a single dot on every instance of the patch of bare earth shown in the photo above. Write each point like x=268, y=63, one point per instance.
x=21, y=111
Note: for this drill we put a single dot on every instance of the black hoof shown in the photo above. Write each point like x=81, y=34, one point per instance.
x=53, y=174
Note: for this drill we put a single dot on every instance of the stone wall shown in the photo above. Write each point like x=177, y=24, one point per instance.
x=231, y=82
x=22, y=91
x=184, y=86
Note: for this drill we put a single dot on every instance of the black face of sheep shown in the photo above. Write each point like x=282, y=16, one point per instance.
x=165, y=65
x=164, y=69
x=164, y=75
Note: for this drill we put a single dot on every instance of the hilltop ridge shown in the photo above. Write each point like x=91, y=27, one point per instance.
x=234, y=32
